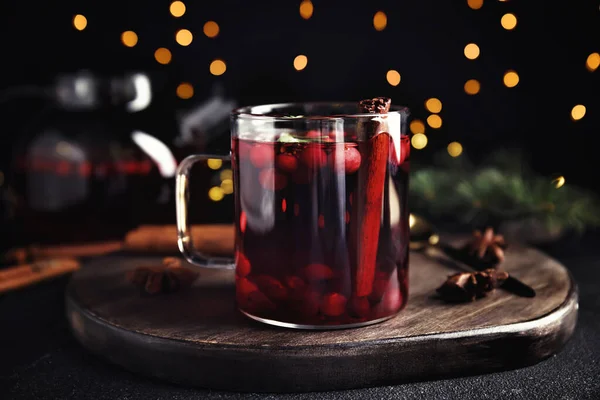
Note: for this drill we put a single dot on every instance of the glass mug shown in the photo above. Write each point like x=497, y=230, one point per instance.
x=321, y=217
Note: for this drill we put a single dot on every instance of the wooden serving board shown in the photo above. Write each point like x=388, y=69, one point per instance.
x=196, y=337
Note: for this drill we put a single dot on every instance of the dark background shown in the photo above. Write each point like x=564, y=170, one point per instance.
x=347, y=60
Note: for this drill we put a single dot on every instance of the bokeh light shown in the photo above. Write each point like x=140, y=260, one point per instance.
x=434, y=121
x=216, y=193
x=226, y=174
x=218, y=67
x=211, y=29
x=393, y=77
x=79, y=22
x=306, y=9
x=471, y=51
x=380, y=21
x=184, y=37
x=559, y=182
x=433, y=105
x=419, y=141
x=300, y=62
x=162, y=55
x=177, y=9
x=227, y=186
x=475, y=4
x=578, y=112
x=511, y=79
x=129, y=38
x=472, y=86
x=185, y=91
x=593, y=62
x=214, y=163
x=417, y=126
x=455, y=149
x=508, y=21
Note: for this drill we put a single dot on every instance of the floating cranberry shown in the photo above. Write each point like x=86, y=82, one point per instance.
x=313, y=134
x=352, y=160
x=271, y=287
x=313, y=156
x=286, y=162
x=317, y=272
x=360, y=306
x=262, y=155
x=404, y=150
x=271, y=179
x=333, y=304
x=243, y=221
x=243, y=148
x=243, y=266
x=392, y=300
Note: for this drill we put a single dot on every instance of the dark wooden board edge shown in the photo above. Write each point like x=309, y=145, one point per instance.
x=328, y=367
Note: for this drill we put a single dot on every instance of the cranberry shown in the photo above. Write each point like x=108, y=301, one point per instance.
x=359, y=306
x=243, y=266
x=271, y=287
x=286, y=162
x=317, y=272
x=243, y=221
x=257, y=302
x=333, y=304
x=262, y=155
x=243, y=149
x=391, y=301
x=404, y=150
x=245, y=287
x=313, y=156
x=313, y=134
x=271, y=179
x=352, y=160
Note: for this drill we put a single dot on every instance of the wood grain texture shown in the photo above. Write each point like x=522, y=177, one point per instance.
x=197, y=337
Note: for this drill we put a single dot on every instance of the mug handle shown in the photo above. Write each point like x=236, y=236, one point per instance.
x=184, y=237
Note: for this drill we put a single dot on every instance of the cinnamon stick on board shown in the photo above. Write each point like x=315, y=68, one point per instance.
x=31, y=253
x=215, y=239
x=371, y=182
x=24, y=275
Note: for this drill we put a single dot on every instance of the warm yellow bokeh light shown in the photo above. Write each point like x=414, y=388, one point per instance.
x=216, y=193
x=211, y=29
x=380, y=21
x=393, y=77
x=306, y=9
x=475, y=4
x=214, y=163
x=559, y=182
x=300, y=62
x=79, y=22
x=162, y=56
x=411, y=220
x=471, y=51
x=433, y=105
x=511, y=79
x=509, y=21
x=593, y=62
x=417, y=126
x=185, y=91
x=226, y=174
x=177, y=9
x=578, y=112
x=129, y=38
x=184, y=37
x=472, y=86
x=434, y=121
x=227, y=186
x=455, y=149
x=218, y=67
x=419, y=141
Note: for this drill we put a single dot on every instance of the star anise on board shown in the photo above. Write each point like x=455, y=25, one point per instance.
x=487, y=247
x=468, y=286
x=166, y=278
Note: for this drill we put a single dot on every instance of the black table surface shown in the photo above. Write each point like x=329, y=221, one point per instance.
x=40, y=359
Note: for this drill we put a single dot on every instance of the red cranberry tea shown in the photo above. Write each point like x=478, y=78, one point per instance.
x=323, y=233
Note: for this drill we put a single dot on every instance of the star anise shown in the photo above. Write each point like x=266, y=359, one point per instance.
x=485, y=250
x=166, y=278
x=468, y=286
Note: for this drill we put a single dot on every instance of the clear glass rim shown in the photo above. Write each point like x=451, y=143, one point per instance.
x=246, y=112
